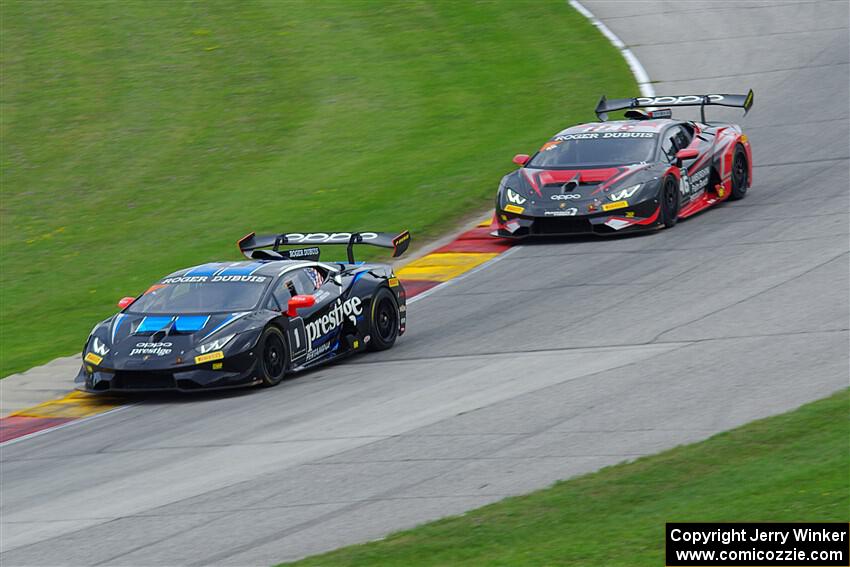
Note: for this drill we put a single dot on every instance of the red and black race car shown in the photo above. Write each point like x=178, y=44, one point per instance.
x=641, y=173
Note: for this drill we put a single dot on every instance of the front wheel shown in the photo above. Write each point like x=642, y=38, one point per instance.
x=272, y=354
x=384, y=320
x=740, y=175
x=669, y=201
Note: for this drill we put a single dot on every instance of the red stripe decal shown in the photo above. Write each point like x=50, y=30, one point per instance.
x=648, y=220
x=414, y=287
x=476, y=240
x=16, y=426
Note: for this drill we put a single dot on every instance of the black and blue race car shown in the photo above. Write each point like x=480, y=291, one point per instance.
x=231, y=324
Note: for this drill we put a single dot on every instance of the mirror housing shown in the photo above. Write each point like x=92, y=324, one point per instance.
x=299, y=302
x=126, y=302
x=687, y=154
x=521, y=159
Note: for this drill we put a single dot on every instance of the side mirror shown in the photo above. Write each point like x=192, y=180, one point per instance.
x=126, y=302
x=682, y=155
x=520, y=159
x=299, y=302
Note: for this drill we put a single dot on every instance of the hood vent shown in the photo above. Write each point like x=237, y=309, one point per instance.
x=181, y=324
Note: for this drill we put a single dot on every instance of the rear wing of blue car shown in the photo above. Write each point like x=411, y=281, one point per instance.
x=252, y=244
x=744, y=101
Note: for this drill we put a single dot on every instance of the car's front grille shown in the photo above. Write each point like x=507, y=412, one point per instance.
x=561, y=225
x=137, y=380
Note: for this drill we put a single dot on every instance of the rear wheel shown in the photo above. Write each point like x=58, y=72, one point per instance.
x=669, y=201
x=384, y=320
x=273, y=356
x=740, y=175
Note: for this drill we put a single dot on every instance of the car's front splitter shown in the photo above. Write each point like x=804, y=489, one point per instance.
x=229, y=373
x=640, y=217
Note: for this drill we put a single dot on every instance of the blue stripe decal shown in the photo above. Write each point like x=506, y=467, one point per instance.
x=242, y=270
x=153, y=324
x=204, y=270
x=232, y=317
x=117, y=323
x=323, y=338
x=190, y=323
x=354, y=280
x=223, y=267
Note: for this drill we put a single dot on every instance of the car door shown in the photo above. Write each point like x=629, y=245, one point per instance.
x=305, y=342
x=694, y=172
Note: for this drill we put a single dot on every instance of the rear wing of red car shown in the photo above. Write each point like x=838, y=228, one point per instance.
x=398, y=242
x=744, y=101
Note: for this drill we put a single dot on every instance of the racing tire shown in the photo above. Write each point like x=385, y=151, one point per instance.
x=740, y=175
x=383, y=320
x=272, y=356
x=669, y=202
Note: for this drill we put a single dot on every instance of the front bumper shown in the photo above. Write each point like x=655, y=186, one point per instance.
x=634, y=218
x=235, y=372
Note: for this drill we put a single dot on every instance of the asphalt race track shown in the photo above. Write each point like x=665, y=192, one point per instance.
x=562, y=357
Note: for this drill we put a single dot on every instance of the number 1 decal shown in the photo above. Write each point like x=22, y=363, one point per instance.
x=297, y=337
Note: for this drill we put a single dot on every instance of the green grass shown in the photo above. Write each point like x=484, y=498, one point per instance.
x=792, y=467
x=138, y=137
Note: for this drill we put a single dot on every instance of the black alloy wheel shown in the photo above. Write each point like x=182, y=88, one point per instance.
x=273, y=356
x=740, y=175
x=384, y=320
x=669, y=202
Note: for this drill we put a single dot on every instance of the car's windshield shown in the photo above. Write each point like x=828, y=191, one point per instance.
x=176, y=295
x=595, y=148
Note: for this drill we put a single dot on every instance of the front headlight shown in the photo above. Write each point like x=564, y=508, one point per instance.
x=217, y=344
x=514, y=198
x=623, y=194
x=99, y=347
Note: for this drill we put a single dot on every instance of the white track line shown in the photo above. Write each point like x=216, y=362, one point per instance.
x=66, y=424
x=641, y=76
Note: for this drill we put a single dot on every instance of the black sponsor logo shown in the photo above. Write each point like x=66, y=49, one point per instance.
x=322, y=349
x=662, y=113
x=303, y=253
